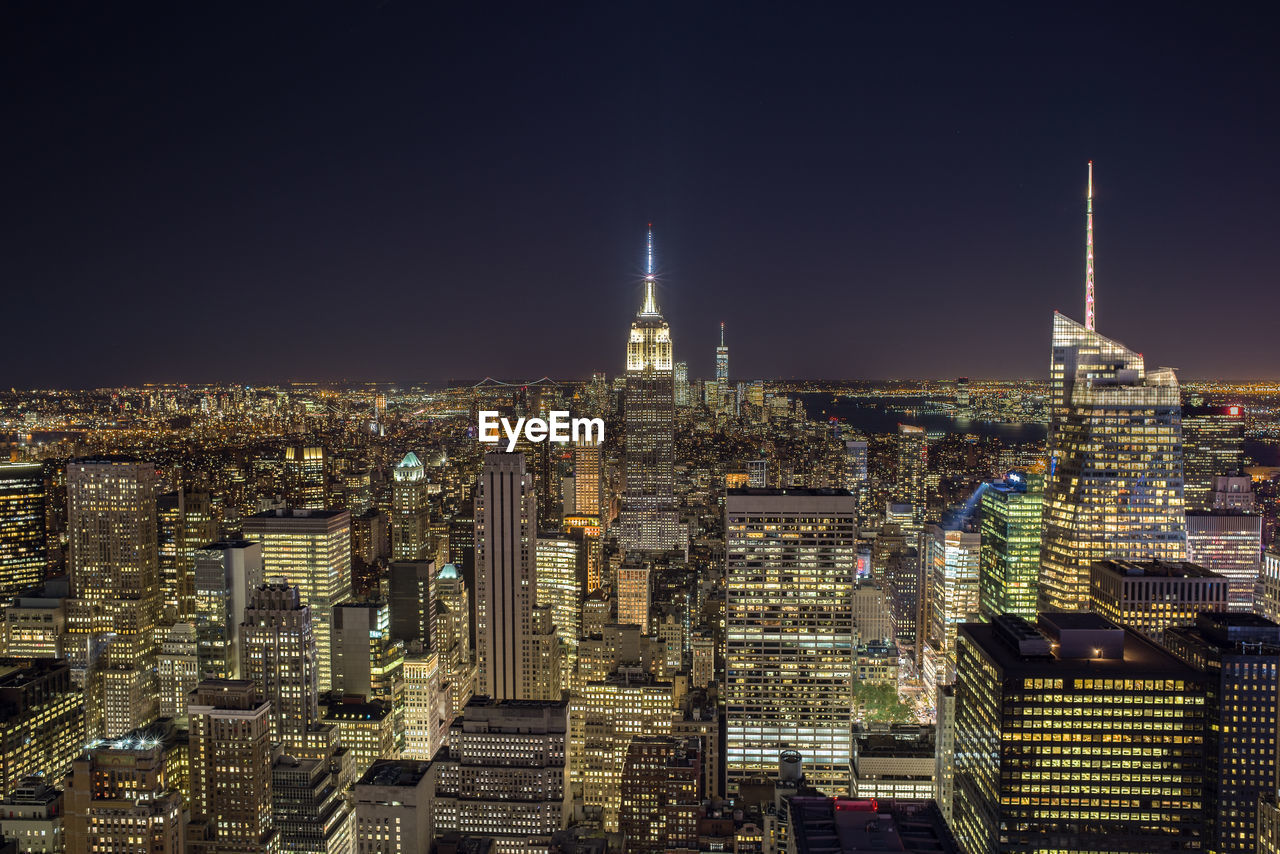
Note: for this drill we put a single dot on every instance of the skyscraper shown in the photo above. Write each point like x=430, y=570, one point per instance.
x=453, y=633
x=122, y=796
x=1212, y=446
x=367, y=663
x=411, y=595
x=1063, y=733
x=22, y=539
x=503, y=776
x=278, y=653
x=661, y=794
x=410, y=510
x=1010, y=559
x=950, y=560
x=230, y=768
x=506, y=576
x=562, y=577
x=588, y=478
x=791, y=557
x=178, y=671
x=649, y=517
x=304, y=476
x=41, y=720
x=427, y=707
x=912, y=485
x=634, y=594
x=115, y=588
x=312, y=550
x=722, y=359
x=308, y=805
x=682, y=394
x=186, y=522
x=223, y=573
x=1114, y=485
x=1228, y=542
x=1240, y=657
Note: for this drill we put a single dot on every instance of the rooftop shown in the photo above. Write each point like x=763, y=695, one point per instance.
x=394, y=772
x=824, y=825
x=1156, y=569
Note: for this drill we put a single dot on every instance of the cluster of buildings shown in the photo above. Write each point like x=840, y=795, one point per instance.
x=728, y=627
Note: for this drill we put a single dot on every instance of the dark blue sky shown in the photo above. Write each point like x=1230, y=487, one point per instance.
x=392, y=190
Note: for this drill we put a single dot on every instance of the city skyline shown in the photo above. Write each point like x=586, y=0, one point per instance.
x=338, y=185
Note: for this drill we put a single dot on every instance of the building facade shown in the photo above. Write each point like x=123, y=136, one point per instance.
x=789, y=652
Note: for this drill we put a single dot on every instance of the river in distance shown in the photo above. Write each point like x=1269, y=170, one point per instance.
x=878, y=415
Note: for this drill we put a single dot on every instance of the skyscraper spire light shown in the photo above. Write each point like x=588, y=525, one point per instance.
x=1090, y=320
x=650, y=285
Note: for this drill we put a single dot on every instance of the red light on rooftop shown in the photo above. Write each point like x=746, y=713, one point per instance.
x=857, y=805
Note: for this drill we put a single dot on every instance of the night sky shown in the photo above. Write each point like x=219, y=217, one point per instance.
x=406, y=191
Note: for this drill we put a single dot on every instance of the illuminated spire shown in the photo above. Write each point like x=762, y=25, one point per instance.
x=1090, y=319
x=722, y=333
x=650, y=285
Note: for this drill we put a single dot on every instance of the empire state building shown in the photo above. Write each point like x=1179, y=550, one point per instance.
x=648, y=514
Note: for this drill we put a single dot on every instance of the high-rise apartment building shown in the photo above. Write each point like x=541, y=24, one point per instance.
x=115, y=589
x=312, y=550
x=1010, y=557
x=32, y=817
x=230, y=768
x=410, y=510
x=791, y=558
x=506, y=576
x=365, y=729
x=224, y=573
x=1268, y=604
x=1239, y=655
x=1212, y=446
x=22, y=527
x=35, y=626
x=278, y=654
x=1064, y=734
x=1114, y=485
x=649, y=518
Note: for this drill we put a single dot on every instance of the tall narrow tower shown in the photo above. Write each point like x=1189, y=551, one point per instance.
x=648, y=514
x=1090, y=318
x=722, y=359
x=506, y=529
